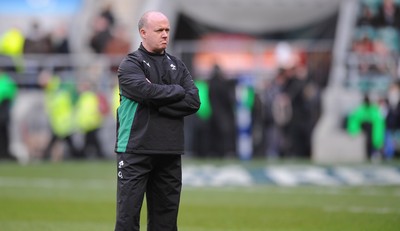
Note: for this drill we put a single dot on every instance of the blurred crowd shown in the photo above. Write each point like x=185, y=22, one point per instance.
x=239, y=119
x=76, y=99
x=374, y=70
x=375, y=47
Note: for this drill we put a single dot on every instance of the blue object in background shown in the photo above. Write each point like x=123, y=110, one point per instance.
x=35, y=7
x=244, y=106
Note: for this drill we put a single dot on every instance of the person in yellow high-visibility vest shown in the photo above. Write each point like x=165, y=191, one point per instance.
x=89, y=120
x=59, y=106
x=11, y=48
x=115, y=102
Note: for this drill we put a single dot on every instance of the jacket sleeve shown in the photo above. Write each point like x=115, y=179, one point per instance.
x=134, y=85
x=189, y=104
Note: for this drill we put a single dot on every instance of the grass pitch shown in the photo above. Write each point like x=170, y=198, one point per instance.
x=80, y=196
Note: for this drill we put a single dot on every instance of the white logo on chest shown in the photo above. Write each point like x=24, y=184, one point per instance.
x=148, y=64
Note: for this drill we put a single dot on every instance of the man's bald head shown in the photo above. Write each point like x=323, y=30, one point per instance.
x=144, y=20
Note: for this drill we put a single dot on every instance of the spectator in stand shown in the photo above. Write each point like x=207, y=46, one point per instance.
x=372, y=54
x=60, y=46
x=366, y=17
x=59, y=40
x=364, y=46
x=388, y=15
x=101, y=34
x=107, y=13
x=117, y=46
x=37, y=41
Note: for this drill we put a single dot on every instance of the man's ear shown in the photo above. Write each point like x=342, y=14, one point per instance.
x=142, y=33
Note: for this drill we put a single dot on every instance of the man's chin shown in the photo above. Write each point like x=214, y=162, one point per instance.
x=160, y=50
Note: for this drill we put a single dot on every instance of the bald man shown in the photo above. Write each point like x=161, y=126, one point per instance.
x=156, y=93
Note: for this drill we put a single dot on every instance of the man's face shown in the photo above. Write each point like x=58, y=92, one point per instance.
x=155, y=33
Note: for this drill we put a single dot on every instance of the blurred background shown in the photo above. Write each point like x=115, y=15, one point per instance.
x=314, y=80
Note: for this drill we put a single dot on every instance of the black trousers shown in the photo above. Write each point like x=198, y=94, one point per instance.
x=157, y=176
x=68, y=139
x=92, y=145
x=4, y=141
x=5, y=111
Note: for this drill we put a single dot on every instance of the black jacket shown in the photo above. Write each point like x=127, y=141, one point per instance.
x=156, y=93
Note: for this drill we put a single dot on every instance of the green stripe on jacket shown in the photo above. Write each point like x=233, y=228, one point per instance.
x=126, y=114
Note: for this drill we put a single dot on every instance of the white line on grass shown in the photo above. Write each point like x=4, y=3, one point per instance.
x=51, y=183
x=359, y=209
x=372, y=191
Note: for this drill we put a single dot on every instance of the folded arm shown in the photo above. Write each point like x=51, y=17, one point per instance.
x=134, y=85
x=189, y=104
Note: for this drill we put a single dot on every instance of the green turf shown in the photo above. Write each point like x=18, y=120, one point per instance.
x=74, y=196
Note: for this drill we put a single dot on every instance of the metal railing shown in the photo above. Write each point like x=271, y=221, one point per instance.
x=25, y=69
